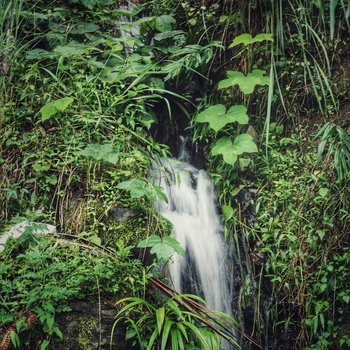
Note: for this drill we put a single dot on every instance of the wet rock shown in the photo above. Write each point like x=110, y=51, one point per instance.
x=19, y=229
x=122, y=214
x=89, y=326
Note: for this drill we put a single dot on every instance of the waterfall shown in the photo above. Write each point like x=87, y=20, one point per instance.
x=192, y=210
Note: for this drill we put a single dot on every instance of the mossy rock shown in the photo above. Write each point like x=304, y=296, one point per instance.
x=88, y=327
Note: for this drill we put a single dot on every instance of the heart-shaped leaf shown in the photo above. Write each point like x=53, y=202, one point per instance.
x=224, y=147
x=246, y=83
x=244, y=144
x=239, y=114
x=231, y=150
x=247, y=39
x=217, y=117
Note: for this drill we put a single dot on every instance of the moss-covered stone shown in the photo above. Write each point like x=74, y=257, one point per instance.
x=88, y=327
x=78, y=330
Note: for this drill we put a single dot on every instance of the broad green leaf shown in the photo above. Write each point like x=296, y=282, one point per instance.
x=246, y=83
x=95, y=240
x=70, y=49
x=137, y=188
x=50, y=320
x=172, y=242
x=230, y=151
x=239, y=114
x=140, y=188
x=63, y=103
x=48, y=111
x=247, y=39
x=37, y=54
x=58, y=332
x=54, y=107
x=150, y=241
x=224, y=147
x=244, y=144
x=217, y=117
x=165, y=23
x=164, y=247
x=168, y=35
x=84, y=27
x=105, y=152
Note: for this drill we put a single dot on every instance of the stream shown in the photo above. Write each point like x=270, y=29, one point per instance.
x=192, y=210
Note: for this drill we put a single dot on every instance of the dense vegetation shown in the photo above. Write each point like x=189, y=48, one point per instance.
x=93, y=90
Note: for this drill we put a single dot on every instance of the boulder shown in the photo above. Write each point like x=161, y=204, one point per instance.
x=19, y=229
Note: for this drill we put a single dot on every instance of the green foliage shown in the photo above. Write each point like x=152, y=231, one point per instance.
x=163, y=247
x=231, y=150
x=54, y=107
x=141, y=188
x=42, y=274
x=105, y=152
x=247, y=39
x=301, y=214
x=337, y=140
x=217, y=117
x=166, y=326
x=247, y=82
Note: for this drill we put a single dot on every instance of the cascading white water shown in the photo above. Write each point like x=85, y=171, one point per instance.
x=196, y=225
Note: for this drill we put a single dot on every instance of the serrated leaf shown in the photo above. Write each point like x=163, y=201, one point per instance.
x=217, y=117
x=246, y=83
x=140, y=188
x=137, y=188
x=163, y=248
x=105, y=152
x=247, y=39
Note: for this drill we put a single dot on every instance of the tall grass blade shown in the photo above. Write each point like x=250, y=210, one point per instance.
x=332, y=6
